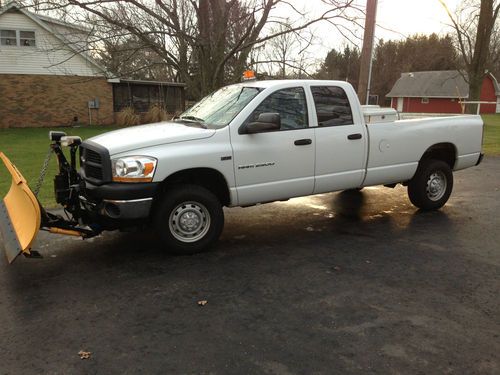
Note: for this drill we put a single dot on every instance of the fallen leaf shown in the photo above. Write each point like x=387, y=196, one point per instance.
x=203, y=302
x=84, y=354
x=337, y=268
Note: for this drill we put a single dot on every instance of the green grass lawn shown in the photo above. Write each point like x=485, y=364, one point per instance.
x=27, y=148
x=491, y=145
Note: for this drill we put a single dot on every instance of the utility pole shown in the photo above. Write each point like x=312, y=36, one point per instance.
x=365, y=68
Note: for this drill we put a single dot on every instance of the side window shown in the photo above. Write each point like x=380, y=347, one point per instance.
x=332, y=106
x=291, y=106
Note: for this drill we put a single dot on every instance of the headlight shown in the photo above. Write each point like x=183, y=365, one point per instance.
x=134, y=169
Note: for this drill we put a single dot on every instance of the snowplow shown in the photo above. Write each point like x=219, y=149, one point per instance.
x=21, y=214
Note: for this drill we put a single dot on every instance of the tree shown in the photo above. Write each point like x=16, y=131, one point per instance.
x=206, y=42
x=416, y=53
x=284, y=56
x=341, y=65
x=391, y=58
x=126, y=57
x=494, y=55
x=473, y=25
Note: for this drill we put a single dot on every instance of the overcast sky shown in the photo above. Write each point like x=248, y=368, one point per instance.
x=412, y=16
x=396, y=19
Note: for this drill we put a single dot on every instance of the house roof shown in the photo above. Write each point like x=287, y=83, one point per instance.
x=432, y=84
x=145, y=82
x=14, y=5
x=62, y=23
x=42, y=21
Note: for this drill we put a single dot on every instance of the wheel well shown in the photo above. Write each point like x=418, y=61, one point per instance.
x=209, y=178
x=441, y=151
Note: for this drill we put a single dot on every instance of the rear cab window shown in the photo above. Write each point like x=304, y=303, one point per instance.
x=332, y=106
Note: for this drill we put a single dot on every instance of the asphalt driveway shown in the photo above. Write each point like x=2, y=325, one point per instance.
x=353, y=282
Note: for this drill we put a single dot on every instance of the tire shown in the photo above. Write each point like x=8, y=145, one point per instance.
x=431, y=186
x=188, y=220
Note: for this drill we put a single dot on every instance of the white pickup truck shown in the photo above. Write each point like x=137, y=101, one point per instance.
x=257, y=142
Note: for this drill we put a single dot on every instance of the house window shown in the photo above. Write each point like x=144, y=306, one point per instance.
x=425, y=100
x=27, y=39
x=8, y=38
x=17, y=38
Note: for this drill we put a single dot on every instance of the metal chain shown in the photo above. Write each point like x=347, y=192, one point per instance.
x=43, y=172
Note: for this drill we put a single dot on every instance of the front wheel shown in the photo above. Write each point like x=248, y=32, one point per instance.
x=431, y=186
x=189, y=219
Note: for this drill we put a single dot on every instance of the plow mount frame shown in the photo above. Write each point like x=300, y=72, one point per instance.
x=22, y=216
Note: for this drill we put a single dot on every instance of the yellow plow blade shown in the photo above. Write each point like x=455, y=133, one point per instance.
x=20, y=215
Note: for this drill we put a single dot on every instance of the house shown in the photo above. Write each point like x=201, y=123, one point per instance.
x=48, y=78
x=440, y=92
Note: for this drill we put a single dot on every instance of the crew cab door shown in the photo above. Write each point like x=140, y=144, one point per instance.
x=279, y=164
x=341, y=139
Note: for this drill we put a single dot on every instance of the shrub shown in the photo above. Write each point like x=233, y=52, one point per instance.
x=127, y=117
x=155, y=114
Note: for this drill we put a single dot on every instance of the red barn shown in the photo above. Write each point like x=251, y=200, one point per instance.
x=440, y=92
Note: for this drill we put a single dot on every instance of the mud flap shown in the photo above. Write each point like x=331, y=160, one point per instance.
x=20, y=215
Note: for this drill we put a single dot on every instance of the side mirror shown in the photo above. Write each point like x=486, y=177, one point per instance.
x=265, y=122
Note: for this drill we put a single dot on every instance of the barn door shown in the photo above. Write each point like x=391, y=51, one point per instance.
x=400, y=105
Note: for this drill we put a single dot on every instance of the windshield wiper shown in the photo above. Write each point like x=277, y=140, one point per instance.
x=194, y=121
x=194, y=118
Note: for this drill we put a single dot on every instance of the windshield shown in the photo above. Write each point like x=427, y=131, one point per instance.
x=220, y=107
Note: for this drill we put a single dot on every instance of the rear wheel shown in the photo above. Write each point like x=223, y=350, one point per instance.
x=189, y=219
x=432, y=184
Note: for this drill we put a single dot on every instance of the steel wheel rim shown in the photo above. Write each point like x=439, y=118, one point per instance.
x=436, y=186
x=189, y=221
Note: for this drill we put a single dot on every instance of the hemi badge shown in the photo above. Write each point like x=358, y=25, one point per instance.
x=225, y=158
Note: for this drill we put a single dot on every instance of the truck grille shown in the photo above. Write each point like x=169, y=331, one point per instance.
x=93, y=157
x=94, y=172
x=95, y=163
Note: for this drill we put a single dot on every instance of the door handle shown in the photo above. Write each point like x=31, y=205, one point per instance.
x=355, y=136
x=302, y=142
